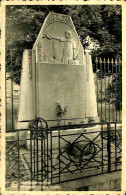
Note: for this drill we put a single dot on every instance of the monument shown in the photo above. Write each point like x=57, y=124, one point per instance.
x=57, y=72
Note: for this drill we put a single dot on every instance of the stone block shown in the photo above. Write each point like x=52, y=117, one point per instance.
x=60, y=83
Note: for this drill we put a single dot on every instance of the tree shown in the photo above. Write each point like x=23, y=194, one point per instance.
x=110, y=41
x=100, y=23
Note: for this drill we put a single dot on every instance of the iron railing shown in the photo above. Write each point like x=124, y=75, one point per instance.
x=62, y=155
x=109, y=88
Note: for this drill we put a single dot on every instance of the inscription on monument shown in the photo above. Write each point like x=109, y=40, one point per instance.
x=58, y=17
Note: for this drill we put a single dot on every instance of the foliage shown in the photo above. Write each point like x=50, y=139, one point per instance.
x=91, y=120
x=60, y=111
x=102, y=23
x=110, y=41
x=115, y=89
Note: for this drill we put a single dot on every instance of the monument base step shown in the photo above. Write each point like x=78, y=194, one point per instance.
x=97, y=184
x=106, y=182
x=11, y=136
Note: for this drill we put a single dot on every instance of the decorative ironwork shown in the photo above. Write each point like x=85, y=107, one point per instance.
x=14, y=164
x=81, y=153
x=41, y=128
x=85, y=154
x=114, y=136
x=61, y=155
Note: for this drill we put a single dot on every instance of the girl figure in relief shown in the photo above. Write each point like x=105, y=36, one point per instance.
x=69, y=49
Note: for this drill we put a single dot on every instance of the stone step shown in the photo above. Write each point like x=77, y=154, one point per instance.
x=10, y=136
x=104, y=182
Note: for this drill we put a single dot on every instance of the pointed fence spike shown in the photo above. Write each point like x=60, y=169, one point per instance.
x=108, y=61
x=112, y=61
x=116, y=62
x=104, y=61
x=119, y=61
x=100, y=61
x=96, y=60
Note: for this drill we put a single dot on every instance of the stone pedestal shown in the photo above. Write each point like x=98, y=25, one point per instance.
x=23, y=135
x=60, y=83
x=25, y=111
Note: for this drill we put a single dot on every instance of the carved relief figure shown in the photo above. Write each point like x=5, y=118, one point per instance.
x=69, y=47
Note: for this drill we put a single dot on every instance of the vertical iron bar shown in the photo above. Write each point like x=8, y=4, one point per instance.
x=12, y=89
x=44, y=155
x=109, y=147
x=51, y=154
x=18, y=163
x=115, y=149
x=102, y=147
x=41, y=162
x=116, y=86
x=44, y=163
x=119, y=87
x=59, y=151
x=112, y=92
x=101, y=85
x=35, y=84
x=34, y=153
x=6, y=96
x=105, y=63
x=37, y=150
x=96, y=61
x=108, y=85
x=31, y=155
x=47, y=158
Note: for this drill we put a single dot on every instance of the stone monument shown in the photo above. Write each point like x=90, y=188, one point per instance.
x=59, y=72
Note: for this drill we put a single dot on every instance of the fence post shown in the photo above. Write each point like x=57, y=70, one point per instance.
x=100, y=61
x=109, y=147
x=12, y=106
x=31, y=156
x=18, y=161
x=105, y=65
x=51, y=156
x=59, y=148
x=96, y=61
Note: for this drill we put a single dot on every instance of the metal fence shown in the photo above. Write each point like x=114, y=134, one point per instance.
x=56, y=156
x=109, y=89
